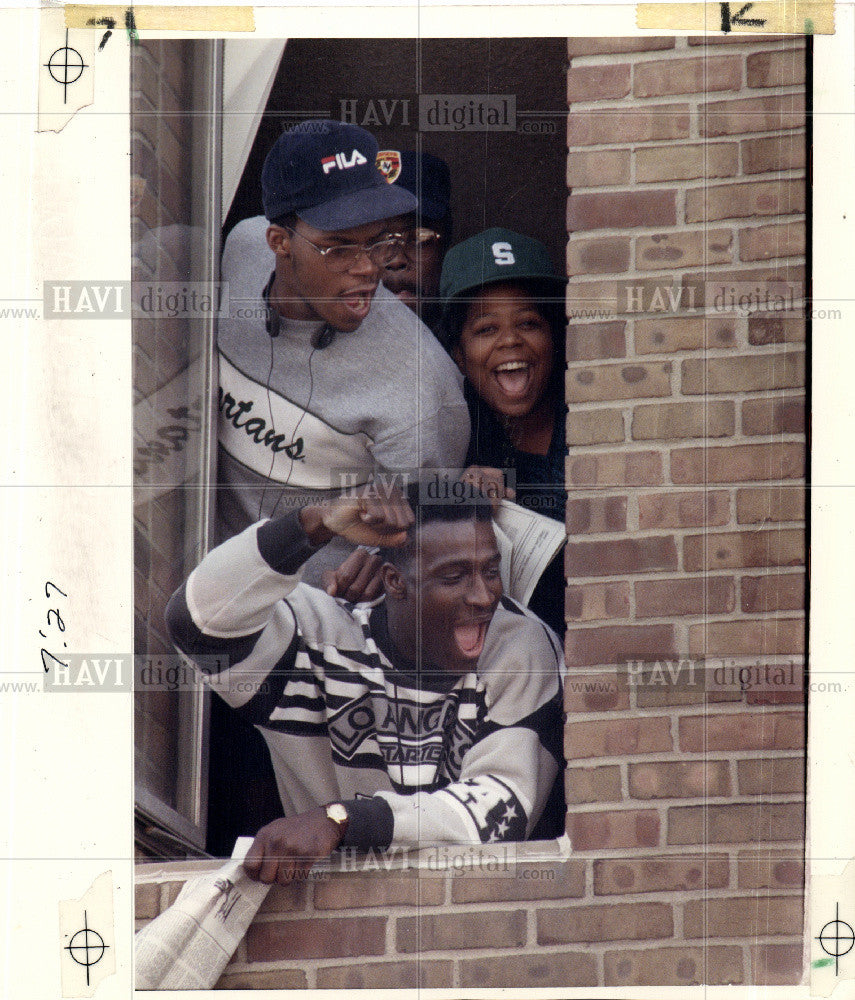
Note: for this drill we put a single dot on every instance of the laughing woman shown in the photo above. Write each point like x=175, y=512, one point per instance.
x=504, y=324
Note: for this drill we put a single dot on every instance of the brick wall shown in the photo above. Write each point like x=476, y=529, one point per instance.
x=686, y=166
x=547, y=922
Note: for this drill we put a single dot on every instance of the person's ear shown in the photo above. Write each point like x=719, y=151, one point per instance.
x=279, y=241
x=457, y=355
x=394, y=584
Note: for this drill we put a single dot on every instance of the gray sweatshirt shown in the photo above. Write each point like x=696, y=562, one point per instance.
x=293, y=417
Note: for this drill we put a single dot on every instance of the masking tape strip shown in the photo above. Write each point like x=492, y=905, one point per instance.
x=765, y=17
x=220, y=19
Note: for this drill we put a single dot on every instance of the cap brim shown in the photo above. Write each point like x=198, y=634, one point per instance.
x=356, y=208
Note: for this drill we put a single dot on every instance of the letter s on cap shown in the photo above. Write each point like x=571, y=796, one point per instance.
x=503, y=253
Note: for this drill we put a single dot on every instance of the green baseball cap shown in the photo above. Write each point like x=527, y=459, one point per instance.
x=492, y=256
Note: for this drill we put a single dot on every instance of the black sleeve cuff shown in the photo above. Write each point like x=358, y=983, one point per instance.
x=370, y=824
x=284, y=545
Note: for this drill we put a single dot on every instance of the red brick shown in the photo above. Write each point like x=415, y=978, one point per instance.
x=735, y=550
x=594, y=427
x=775, y=152
x=269, y=979
x=771, y=776
x=583, y=46
x=605, y=922
x=681, y=682
x=324, y=937
x=768, y=242
x=687, y=509
x=592, y=341
x=745, y=917
x=596, y=514
x=762, y=823
x=775, y=286
x=673, y=966
x=774, y=416
x=777, y=964
x=586, y=602
x=285, y=898
x=598, y=167
x=765, y=637
x=770, y=503
x=713, y=595
x=776, y=592
x=669, y=421
x=741, y=200
x=628, y=555
x=386, y=975
x=764, y=330
x=146, y=900
x=621, y=209
x=780, y=683
x=568, y=880
x=679, y=779
x=662, y=293
x=771, y=870
x=615, y=469
x=744, y=373
x=596, y=692
x=619, y=381
x=530, y=971
x=617, y=737
x=618, y=644
x=686, y=162
x=453, y=931
x=688, y=249
x=752, y=114
x=683, y=333
x=779, y=68
x=597, y=83
x=743, y=731
x=342, y=892
x=592, y=784
x=687, y=76
x=601, y=255
x=738, y=463
x=619, y=876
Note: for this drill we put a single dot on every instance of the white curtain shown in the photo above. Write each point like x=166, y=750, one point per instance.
x=248, y=71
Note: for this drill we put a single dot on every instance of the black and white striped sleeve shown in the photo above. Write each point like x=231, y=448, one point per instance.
x=230, y=618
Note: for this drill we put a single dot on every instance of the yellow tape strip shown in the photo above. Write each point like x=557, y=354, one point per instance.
x=765, y=17
x=161, y=18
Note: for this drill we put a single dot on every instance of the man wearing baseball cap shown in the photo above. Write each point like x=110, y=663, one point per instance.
x=413, y=274
x=325, y=376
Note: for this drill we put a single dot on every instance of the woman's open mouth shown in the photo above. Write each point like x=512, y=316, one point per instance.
x=514, y=378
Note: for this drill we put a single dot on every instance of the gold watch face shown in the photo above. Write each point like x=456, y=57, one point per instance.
x=337, y=813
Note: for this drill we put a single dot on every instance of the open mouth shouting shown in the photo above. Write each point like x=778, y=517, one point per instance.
x=470, y=637
x=357, y=301
x=514, y=378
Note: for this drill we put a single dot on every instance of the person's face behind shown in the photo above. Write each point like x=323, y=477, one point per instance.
x=415, y=276
x=446, y=594
x=317, y=291
x=505, y=350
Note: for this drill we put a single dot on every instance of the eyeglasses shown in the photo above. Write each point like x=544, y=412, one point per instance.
x=345, y=255
x=416, y=240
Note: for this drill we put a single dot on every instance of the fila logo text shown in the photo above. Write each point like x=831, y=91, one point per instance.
x=341, y=161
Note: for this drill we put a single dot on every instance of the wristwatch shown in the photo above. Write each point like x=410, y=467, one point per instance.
x=337, y=812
